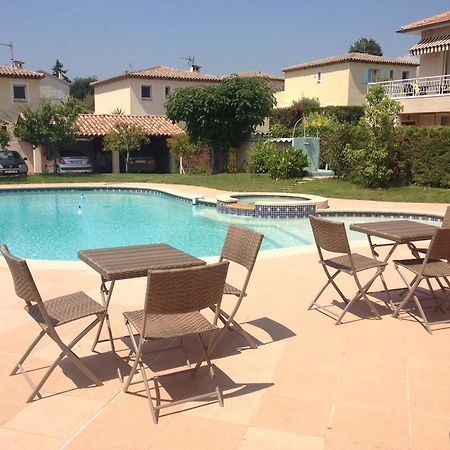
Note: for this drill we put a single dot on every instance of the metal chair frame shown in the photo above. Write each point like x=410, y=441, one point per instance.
x=26, y=289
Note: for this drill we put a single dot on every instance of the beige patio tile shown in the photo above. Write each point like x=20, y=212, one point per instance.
x=367, y=392
x=266, y=439
x=193, y=433
x=293, y=414
x=430, y=371
x=430, y=399
x=430, y=432
x=59, y=416
x=377, y=427
x=20, y=440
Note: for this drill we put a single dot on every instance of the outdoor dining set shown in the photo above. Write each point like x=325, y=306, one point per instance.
x=180, y=287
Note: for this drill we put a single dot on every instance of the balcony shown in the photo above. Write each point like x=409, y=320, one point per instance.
x=415, y=87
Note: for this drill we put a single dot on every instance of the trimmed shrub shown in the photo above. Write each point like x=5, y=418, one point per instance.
x=288, y=163
x=260, y=156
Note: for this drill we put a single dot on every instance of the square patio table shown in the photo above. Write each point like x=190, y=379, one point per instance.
x=398, y=232
x=120, y=263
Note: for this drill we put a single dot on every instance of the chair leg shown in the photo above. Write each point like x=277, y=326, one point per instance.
x=27, y=353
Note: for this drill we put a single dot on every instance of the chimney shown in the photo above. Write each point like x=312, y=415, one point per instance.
x=195, y=68
x=18, y=64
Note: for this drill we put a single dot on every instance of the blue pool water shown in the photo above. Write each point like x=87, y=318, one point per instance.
x=56, y=224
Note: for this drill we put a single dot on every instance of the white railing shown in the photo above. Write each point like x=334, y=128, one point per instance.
x=412, y=87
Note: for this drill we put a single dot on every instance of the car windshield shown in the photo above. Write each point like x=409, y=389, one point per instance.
x=9, y=155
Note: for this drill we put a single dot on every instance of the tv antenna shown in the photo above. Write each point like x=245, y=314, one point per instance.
x=11, y=48
x=191, y=60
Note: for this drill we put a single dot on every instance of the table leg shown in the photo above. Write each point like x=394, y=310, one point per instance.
x=385, y=260
x=105, y=293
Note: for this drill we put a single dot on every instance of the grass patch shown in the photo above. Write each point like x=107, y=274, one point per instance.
x=241, y=182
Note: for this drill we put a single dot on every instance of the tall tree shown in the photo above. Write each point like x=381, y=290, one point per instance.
x=52, y=126
x=222, y=116
x=125, y=138
x=366, y=45
x=81, y=87
x=58, y=70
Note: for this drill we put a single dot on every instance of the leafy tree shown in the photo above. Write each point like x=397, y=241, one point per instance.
x=373, y=163
x=5, y=137
x=125, y=138
x=58, y=70
x=52, y=125
x=365, y=45
x=81, y=87
x=184, y=149
x=223, y=115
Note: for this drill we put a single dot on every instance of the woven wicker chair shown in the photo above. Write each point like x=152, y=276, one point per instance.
x=241, y=247
x=49, y=315
x=331, y=237
x=173, y=300
x=435, y=264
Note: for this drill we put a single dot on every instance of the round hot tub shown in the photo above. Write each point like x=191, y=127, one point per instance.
x=271, y=205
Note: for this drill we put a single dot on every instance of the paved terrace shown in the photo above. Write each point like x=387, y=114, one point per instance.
x=366, y=384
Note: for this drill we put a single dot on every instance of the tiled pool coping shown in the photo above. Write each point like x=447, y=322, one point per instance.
x=188, y=198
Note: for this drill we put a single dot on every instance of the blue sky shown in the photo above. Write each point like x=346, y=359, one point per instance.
x=106, y=37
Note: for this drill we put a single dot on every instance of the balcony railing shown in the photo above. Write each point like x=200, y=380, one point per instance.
x=414, y=87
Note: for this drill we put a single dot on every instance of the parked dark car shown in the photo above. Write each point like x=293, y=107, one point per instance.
x=11, y=163
x=72, y=161
x=141, y=162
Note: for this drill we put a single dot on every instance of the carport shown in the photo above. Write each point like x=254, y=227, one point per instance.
x=94, y=127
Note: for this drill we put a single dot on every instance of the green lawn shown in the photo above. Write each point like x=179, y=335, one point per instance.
x=254, y=182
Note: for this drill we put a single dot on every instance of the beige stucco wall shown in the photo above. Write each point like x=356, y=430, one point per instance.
x=126, y=94
x=111, y=96
x=340, y=84
x=9, y=109
x=432, y=64
x=51, y=84
x=332, y=89
x=411, y=105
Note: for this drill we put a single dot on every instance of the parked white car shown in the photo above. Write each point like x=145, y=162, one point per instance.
x=72, y=161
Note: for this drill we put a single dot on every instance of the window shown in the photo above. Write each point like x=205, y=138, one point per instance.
x=20, y=92
x=167, y=91
x=405, y=75
x=146, y=92
x=391, y=74
x=57, y=94
x=374, y=75
x=445, y=120
x=319, y=77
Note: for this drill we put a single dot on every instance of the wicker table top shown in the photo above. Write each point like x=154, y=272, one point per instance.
x=119, y=263
x=399, y=231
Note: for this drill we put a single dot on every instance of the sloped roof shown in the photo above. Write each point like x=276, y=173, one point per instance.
x=92, y=125
x=351, y=57
x=438, y=19
x=258, y=74
x=162, y=73
x=14, y=72
x=50, y=75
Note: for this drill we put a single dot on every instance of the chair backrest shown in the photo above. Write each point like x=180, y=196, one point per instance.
x=178, y=291
x=23, y=280
x=446, y=219
x=440, y=245
x=329, y=235
x=241, y=246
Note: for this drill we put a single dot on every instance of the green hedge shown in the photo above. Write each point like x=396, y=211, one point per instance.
x=419, y=155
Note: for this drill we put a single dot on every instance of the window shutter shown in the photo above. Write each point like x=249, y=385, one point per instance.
x=365, y=76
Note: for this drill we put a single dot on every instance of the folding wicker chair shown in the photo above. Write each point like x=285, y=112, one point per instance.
x=241, y=247
x=173, y=300
x=330, y=236
x=435, y=264
x=49, y=315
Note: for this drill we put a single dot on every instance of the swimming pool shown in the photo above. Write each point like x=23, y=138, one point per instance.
x=55, y=224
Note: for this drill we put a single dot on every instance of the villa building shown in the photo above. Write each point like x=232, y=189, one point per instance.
x=145, y=92
x=426, y=98
x=276, y=82
x=341, y=80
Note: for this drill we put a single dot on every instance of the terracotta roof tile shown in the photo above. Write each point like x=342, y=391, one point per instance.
x=101, y=124
x=351, y=57
x=257, y=74
x=163, y=73
x=434, y=20
x=13, y=72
